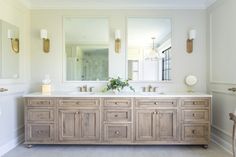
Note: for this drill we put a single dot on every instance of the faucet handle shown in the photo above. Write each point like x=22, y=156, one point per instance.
x=91, y=89
x=155, y=89
x=80, y=89
x=143, y=89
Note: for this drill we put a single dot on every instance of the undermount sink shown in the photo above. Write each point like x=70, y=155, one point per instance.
x=152, y=93
x=81, y=93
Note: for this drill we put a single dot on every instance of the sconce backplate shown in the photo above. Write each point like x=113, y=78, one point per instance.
x=15, y=45
x=46, y=45
x=189, y=46
x=117, y=45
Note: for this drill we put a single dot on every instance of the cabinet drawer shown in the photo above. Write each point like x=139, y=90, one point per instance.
x=156, y=103
x=40, y=132
x=117, y=132
x=79, y=102
x=195, y=115
x=195, y=103
x=40, y=102
x=114, y=102
x=195, y=132
x=117, y=115
x=40, y=114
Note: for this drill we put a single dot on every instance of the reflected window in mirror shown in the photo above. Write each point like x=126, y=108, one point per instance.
x=9, y=56
x=148, y=40
x=165, y=65
x=86, y=48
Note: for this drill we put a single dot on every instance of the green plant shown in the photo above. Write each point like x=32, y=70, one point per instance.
x=117, y=84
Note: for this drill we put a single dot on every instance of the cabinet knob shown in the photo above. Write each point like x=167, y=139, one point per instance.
x=193, y=114
x=156, y=103
x=117, y=132
x=193, y=131
x=116, y=103
x=194, y=103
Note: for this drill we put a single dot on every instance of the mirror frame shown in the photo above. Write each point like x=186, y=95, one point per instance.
x=126, y=47
x=64, y=49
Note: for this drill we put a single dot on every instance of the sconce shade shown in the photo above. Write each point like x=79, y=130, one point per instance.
x=43, y=33
x=192, y=34
x=117, y=34
x=10, y=34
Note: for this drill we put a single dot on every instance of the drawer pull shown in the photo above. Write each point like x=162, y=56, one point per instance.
x=39, y=131
x=76, y=112
x=116, y=115
x=117, y=132
x=194, y=103
x=194, y=115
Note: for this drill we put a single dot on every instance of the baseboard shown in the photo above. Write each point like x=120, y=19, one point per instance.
x=221, y=139
x=11, y=144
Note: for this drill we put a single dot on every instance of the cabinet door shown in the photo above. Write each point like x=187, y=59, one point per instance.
x=89, y=124
x=68, y=125
x=145, y=125
x=166, y=124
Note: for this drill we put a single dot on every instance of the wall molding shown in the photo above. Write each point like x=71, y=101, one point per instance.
x=211, y=54
x=11, y=144
x=218, y=136
x=223, y=92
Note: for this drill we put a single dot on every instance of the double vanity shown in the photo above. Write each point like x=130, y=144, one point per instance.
x=126, y=118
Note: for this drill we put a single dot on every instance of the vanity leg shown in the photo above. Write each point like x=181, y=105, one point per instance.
x=205, y=146
x=29, y=145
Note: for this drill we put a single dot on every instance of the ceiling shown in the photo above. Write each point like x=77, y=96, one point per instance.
x=117, y=4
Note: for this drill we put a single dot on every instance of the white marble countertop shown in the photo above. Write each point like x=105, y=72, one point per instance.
x=122, y=94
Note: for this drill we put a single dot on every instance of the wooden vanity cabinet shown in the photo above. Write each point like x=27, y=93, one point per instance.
x=79, y=125
x=155, y=122
x=117, y=120
x=78, y=120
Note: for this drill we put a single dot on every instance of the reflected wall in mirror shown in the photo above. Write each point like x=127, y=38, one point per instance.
x=86, y=48
x=149, y=49
x=9, y=60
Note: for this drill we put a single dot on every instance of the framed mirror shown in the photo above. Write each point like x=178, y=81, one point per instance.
x=149, y=49
x=9, y=51
x=86, y=48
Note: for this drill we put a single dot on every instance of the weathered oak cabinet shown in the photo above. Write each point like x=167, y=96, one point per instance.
x=117, y=120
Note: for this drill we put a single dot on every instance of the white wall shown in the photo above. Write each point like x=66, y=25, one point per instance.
x=11, y=105
x=222, y=57
x=183, y=63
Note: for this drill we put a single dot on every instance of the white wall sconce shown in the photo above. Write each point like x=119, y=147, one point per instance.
x=46, y=41
x=117, y=41
x=191, y=36
x=15, y=44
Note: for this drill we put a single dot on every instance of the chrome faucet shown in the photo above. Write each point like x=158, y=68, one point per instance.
x=85, y=88
x=149, y=88
x=3, y=89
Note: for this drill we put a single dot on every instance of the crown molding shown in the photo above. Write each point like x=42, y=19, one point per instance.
x=86, y=6
x=127, y=7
